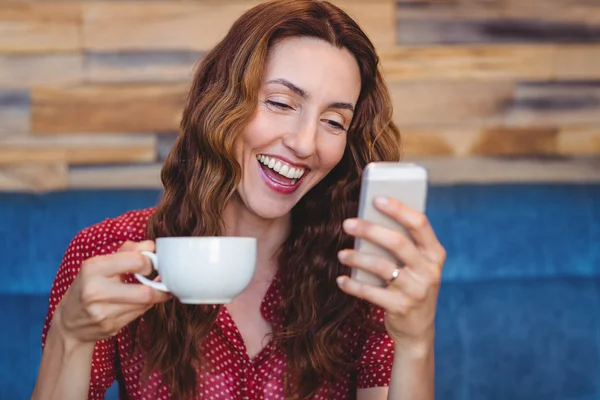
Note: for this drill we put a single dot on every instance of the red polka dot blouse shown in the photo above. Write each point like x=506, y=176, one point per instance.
x=234, y=374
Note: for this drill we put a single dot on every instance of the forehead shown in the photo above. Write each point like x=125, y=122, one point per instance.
x=316, y=66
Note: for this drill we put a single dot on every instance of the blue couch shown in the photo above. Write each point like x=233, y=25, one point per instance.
x=519, y=309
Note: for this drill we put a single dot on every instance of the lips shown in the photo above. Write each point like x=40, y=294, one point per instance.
x=278, y=182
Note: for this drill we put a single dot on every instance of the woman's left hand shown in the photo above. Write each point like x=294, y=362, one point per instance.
x=410, y=299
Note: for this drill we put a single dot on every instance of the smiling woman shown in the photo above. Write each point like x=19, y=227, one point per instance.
x=282, y=117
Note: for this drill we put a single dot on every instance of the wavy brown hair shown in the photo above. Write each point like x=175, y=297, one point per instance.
x=201, y=174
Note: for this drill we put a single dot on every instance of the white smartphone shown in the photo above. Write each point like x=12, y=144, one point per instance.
x=406, y=182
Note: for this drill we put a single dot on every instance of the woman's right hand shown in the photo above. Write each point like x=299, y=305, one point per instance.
x=99, y=303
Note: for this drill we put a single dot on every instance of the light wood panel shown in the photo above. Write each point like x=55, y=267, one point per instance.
x=577, y=62
x=107, y=108
x=450, y=102
x=537, y=62
x=164, y=25
x=475, y=62
x=116, y=177
x=441, y=170
x=36, y=27
x=125, y=67
x=465, y=141
x=25, y=71
x=34, y=178
x=158, y=25
x=486, y=170
x=77, y=150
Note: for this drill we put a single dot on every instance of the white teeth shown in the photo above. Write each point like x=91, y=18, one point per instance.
x=283, y=169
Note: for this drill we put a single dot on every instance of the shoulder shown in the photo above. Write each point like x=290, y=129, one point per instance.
x=107, y=235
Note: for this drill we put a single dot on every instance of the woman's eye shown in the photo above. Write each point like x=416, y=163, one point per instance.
x=336, y=125
x=279, y=105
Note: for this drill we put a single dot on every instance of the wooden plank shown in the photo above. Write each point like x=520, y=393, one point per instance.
x=482, y=170
x=510, y=21
x=400, y=63
x=116, y=177
x=579, y=141
x=438, y=141
x=198, y=26
x=39, y=27
x=33, y=178
x=577, y=62
x=554, y=103
x=375, y=17
x=14, y=113
x=108, y=108
x=138, y=66
x=508, y=141
x=477, y=62
x=158, y=25
x=25, y=71
x=450, y=102
x=468, y=141
x=78, y=150
x=442, y=171
x=574, y=11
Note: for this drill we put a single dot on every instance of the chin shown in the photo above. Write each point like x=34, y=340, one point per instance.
x=268, y=210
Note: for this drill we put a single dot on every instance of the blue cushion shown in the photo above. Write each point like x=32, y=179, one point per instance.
x=494, y=340
x=489, y=231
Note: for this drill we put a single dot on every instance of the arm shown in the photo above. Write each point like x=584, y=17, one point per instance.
x=78, y=359
x=411, y=376
x=409, y=299
x=65, y=369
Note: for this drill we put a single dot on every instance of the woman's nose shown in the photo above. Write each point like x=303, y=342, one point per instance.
x=302, y=140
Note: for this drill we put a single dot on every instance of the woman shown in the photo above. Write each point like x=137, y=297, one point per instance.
x=282, y=117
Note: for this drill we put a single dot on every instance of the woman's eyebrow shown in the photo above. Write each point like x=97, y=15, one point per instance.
x=302, y=93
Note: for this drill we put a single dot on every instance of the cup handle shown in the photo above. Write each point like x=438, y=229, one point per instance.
x=142, y=279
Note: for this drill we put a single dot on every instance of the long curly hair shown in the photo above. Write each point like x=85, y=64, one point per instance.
x=201, y=175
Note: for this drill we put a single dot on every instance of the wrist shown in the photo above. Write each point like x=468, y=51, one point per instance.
x=60, y=336
x=415, y=348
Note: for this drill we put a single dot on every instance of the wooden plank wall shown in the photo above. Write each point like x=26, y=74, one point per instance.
x=484, y=90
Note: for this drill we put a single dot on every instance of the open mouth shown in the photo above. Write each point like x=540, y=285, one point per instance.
x=281, y=174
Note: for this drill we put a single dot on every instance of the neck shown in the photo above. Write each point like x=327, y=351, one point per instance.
x=269, y=233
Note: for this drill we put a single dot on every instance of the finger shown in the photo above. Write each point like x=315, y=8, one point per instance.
x=416, y=223
x=395, y=301
x=407, y=281
x=367, y=262
x=128, y=245
x=124, y=293
x=109, y=319
x=395, y=242
x=117, y=264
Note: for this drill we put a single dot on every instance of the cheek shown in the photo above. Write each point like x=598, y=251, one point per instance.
x=333, y=148
x=259, y=131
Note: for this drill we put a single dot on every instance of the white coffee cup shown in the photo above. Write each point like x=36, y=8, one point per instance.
x=202, y=270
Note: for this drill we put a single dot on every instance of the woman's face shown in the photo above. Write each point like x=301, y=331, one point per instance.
x=298, y=133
